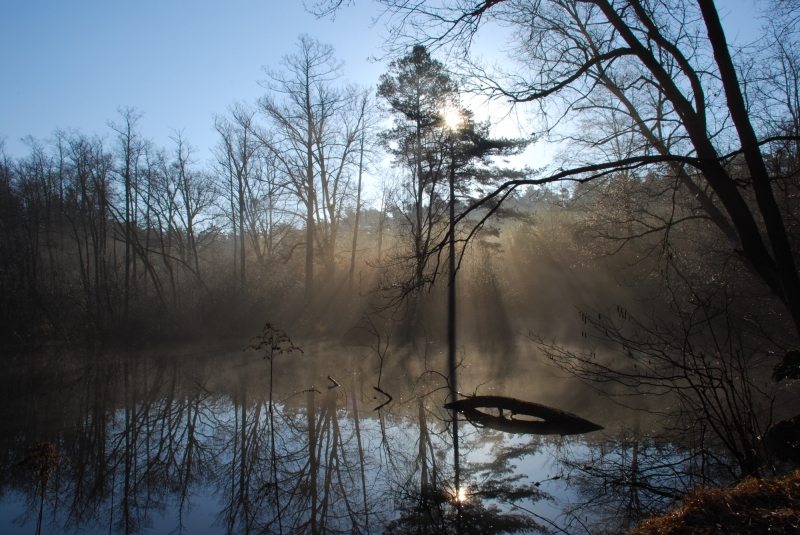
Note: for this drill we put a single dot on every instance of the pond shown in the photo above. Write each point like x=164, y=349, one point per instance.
x=194, y=440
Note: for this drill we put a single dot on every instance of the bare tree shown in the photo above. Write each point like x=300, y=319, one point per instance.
x=300, y=104
x=236, y=154
x=365, y=109
x=130, y=152
x=195, y=191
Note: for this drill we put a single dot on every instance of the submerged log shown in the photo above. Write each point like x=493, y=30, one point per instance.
x=550, y=421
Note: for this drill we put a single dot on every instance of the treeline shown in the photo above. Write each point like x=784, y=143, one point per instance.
x=109, y=236
x=94, y=236
x=97, y=236
x=103, y=237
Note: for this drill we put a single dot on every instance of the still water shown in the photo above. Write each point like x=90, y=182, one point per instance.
x=204, y=440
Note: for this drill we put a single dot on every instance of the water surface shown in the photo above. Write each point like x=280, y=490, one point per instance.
x=194, y=440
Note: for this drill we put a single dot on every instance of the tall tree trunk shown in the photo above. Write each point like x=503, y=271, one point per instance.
x=241, y=226
x=358, y=213
x=310, y=197
x=762, y=187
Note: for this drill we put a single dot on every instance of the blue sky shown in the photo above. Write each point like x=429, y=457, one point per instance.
x=72, y=63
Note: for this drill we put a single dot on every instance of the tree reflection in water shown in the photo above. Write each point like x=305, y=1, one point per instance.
x=156, y=443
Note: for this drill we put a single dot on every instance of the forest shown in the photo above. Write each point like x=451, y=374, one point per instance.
x=653, y=263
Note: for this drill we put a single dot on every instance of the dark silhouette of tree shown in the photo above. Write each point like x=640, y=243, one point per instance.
x=417, y=89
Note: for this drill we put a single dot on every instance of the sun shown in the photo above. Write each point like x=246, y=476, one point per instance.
x=462, y=495
x=452, y=118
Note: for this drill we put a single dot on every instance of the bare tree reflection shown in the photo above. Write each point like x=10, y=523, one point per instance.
x=150, y=438
x=628, y=476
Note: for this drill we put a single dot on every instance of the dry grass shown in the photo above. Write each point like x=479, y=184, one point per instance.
x=754, y=506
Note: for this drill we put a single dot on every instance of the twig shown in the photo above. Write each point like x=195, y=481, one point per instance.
x=389, y=400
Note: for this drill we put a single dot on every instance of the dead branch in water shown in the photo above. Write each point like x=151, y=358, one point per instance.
x=551, y=421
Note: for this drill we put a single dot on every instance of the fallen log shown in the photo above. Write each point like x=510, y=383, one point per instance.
x=550, y=421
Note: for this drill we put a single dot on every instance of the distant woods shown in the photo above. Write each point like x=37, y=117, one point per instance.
x=102, y=234
x=114, y=236
x=105, y=235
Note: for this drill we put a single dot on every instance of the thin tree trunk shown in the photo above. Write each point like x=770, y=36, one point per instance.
x=358, y=212
x=310, y=197
x=241, y=226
